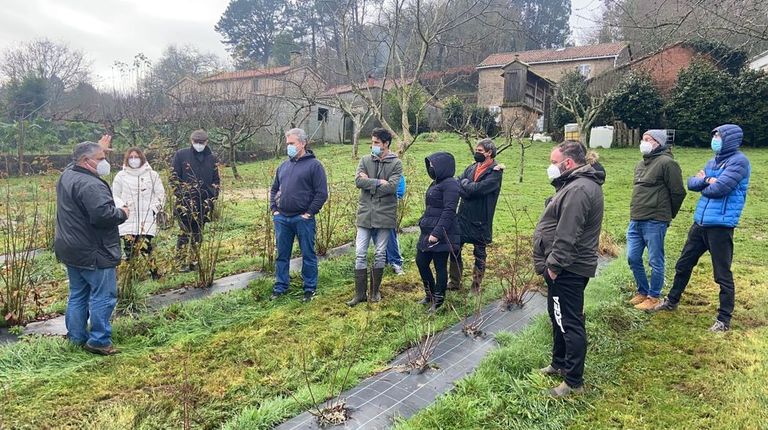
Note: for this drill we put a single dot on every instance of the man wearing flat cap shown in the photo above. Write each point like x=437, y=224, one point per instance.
x=195, y=182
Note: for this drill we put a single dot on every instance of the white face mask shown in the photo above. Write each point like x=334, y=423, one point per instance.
x=102, y=169
x=199, y=147
x=134, y=162
x=553, y=172
x=646, y=147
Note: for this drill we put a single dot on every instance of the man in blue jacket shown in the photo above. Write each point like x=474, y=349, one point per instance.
x=298, y=193
x=723, y=185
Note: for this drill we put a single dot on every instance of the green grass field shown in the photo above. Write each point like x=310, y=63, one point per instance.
x=236, y=361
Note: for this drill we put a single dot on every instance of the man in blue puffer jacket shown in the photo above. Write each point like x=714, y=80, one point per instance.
x=723, y=185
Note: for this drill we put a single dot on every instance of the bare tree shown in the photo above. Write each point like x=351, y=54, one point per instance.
x=406, y=30
x=518, y=124
x=61, y=67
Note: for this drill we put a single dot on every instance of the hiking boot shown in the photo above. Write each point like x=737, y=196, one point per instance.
x=101, y=350
x=425, y=301
x=637, y=299
x=564, y=390
x=719, y=327
x=308, y=296
x=376, y=275
x=398, y=269
x=551, y=371
x=648, y=304
x=276, y=296
x=361, y=287
x=665, y=305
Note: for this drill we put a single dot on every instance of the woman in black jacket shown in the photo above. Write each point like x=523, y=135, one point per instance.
x=440, y=235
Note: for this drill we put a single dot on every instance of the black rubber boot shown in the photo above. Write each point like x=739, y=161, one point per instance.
x=427, y=300
x=376, y=275
x=361, y=287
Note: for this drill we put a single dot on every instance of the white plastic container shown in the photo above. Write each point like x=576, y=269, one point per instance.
x=601, y=137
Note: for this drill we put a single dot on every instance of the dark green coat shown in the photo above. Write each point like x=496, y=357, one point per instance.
x=658, y=190
x=478, y=203
x=377, y=207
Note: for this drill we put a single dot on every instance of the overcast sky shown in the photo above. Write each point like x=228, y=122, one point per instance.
x=111, y=30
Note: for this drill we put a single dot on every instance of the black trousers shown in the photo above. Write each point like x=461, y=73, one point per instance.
x=719, y=242
x=565, y=304
x=478, y=251
x=435, y=287
x=141, y=243
x=192, y=216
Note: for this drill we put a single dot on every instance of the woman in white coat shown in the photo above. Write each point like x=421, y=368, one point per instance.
x=141, y=189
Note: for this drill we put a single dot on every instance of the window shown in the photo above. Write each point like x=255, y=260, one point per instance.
x=322, y=114
x=585, y=70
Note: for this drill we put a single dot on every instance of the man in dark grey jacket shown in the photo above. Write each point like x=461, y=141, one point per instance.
x=377, y=177
x=87, y=241
x=565, y=253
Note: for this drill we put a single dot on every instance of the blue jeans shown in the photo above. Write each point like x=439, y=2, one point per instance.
x=286, y=229
x=363, y=239
x=92, y=293
x=641, y=235
x=394, y=258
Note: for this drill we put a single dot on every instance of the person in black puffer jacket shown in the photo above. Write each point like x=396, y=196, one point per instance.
x=440, y=235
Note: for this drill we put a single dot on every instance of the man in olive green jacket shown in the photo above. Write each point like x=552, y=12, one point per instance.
x=377, y=177
x=657, y=195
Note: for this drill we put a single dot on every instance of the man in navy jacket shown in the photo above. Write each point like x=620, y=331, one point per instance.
x=723, y=185
x=298, y=193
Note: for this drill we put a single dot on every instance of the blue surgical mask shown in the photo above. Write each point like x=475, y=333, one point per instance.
x=376, y=150
x=292, y=150
x=717, y=144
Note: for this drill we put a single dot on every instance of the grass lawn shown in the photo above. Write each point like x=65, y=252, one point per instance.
x=236, y=361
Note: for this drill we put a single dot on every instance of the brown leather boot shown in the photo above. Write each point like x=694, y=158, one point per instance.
x=454, y=274
x=477, y=279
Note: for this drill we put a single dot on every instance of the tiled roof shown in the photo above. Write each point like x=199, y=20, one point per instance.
x=247, y=74
x=554, y=55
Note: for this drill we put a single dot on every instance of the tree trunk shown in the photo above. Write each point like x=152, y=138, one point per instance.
x=522, y=162
x=233, y=161
x=356, y=129
x=20, y=147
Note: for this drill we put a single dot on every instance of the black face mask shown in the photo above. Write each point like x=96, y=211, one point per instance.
x=431, y=172
x=479, y=157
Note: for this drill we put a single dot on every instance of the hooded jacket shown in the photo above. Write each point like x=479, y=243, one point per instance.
x=142, y=190
x=722, y=202
x=568, y=233
x=377, y=207
x=441, y=199
x=478, y=203
x=300, y=186
x=658, y=190
x=86, y=234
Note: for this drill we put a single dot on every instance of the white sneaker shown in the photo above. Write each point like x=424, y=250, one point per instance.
x=398, y=269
